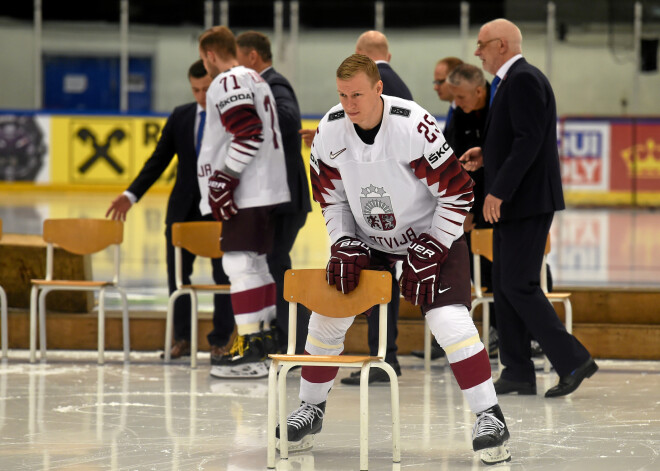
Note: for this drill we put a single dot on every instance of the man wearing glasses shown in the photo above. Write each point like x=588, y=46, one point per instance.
x=523, y=190
x=442, y=70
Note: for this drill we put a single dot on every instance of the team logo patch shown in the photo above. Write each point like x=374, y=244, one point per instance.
x=336, y=115
x=405, y=112
x=377, y=208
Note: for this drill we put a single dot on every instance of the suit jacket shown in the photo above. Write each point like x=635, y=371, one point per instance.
x=464, y=131
x=288, y=114
x=176, y=138
x=392, y=83
x=521, y=160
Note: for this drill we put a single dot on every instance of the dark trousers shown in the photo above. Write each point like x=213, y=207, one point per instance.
x=523, y=310
x=287, y=226
x=223, y=315
x=379, y=259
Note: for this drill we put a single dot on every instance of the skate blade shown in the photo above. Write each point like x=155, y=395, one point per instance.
x=246, y=371
x=496, y=454
x=305, y=444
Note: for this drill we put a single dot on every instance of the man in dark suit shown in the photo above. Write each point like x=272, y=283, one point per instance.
x=523, y=190
x=254, y=52
x=373, y=44
x=182, y=136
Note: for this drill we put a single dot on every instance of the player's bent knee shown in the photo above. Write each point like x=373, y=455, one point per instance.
x=239, y=265
x=331, y=330
x=451, y=324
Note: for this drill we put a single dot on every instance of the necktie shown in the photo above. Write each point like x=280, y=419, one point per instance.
x=493, y=89
x=451, y=110
x=200, y=131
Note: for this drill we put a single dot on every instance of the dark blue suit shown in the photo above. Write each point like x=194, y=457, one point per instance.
x=522, y=168
x=392, y=83
x=183, y=205
x=290, y=217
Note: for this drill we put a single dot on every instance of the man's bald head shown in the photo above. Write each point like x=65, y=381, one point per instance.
x=509, y=32
x=373, y=44
x=498, y=41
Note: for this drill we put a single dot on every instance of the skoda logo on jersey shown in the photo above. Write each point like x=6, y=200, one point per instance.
x=377, y=208
x=235, y=98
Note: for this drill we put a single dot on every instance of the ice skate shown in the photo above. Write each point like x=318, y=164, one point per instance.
x=489, y=435
x=244, y=360
x=302, y=425
x=270, y=338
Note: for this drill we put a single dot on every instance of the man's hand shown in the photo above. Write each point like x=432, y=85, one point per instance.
x=492, y=205
x=473, y=159
x=221, y=195
x=307, y=136
x=119, y=207
x=469, y=224
x=420, y=277
x=348, y=256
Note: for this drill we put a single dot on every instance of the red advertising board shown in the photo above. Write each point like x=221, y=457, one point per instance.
x=635, y=166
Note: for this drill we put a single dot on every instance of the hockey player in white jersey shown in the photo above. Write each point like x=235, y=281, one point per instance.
x=391, y=189
x=242, y=176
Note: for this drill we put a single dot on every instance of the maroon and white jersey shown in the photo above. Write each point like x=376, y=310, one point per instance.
x=242, y=133
x=386, y=194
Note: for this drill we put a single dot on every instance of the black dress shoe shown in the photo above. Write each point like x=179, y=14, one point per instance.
x=436, y=352
x=376, y=375
x=523, y=388
x=569, y=383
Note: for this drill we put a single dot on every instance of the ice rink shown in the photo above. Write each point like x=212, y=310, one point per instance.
x=71, y=414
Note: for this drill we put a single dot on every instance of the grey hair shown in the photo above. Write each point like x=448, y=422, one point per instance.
x=467, y=73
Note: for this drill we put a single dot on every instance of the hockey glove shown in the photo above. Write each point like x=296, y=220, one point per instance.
x=348, y=256
x=221, y=195
x=420, y=277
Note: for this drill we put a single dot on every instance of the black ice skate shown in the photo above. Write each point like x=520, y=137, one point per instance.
x=271, y=338
x=489, y=435
x=302, y=425
x=246, y=359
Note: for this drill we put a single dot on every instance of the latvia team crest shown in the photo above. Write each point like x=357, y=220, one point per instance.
x=377, y=208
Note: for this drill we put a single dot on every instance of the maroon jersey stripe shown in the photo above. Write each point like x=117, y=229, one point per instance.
x=244, y=124
x=322, y=181
x=450, y=175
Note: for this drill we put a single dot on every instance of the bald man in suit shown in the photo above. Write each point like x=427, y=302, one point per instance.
x=523, y=191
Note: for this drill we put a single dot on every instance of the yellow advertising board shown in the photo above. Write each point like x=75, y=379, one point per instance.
x=104, y=150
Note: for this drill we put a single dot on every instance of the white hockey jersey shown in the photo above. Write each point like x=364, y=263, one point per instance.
x=386, y=194
x=242, y=133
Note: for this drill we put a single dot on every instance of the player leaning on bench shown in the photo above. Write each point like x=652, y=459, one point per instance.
x=392, y=189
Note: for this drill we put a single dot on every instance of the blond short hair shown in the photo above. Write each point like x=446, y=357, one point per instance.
x=356, y=63
x=220, y=40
